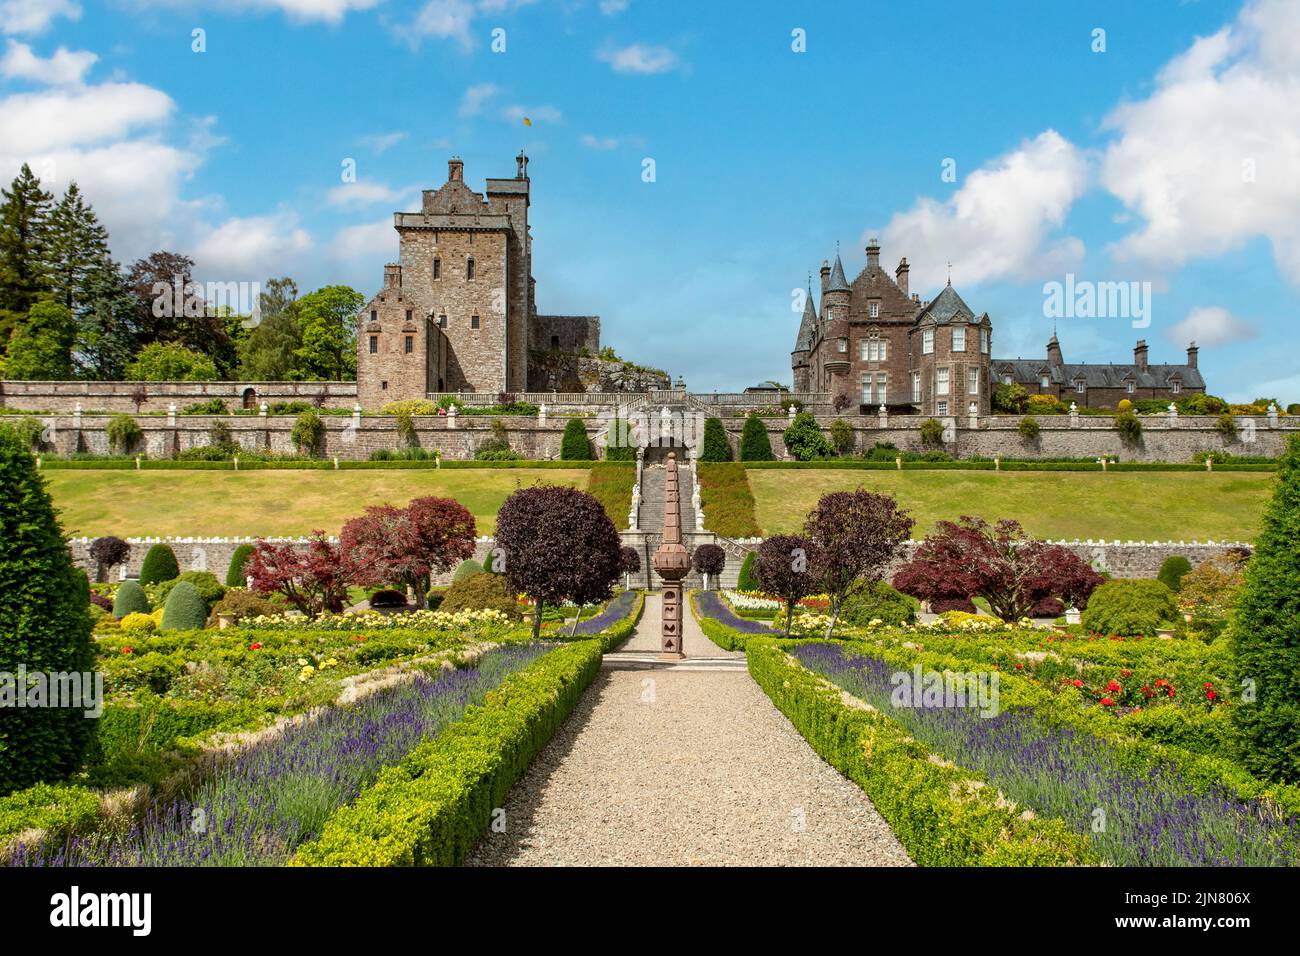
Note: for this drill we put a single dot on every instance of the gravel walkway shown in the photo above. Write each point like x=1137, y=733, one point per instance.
x=673, y=767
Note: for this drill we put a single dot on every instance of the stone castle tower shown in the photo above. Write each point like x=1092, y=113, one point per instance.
x=457, y=313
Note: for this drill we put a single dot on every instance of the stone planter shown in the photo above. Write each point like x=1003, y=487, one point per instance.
x=1165, y=633
x=1073, y=615
x=225, y=620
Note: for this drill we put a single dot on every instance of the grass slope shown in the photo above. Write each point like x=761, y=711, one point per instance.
x=1162, y=506
x=726, y=499
x=271, y=503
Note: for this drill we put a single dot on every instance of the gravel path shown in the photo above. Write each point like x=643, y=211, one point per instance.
x=671, y=767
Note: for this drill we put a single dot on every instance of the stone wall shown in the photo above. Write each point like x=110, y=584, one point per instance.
x=119, y=396
x=1060, y=436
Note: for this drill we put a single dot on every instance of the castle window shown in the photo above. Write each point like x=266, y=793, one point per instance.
x=959, y=339
x=941, y=381
x=864, y=350
x=927, y=342
x=916, y=386
x=410, y=344
x=473, y=321
x=973, y=381
x=866, y=388
x=437, y=268
x=873, y=309
x=408, y=315
x=555, y=341
x=374, y=344
x=374, y=316
x=383, y=386
x=882, y=380
x=984, y=341
x=941, y=408
x=469, y=268
x=842, y=345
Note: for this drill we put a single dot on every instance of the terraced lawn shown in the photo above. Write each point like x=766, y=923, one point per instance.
x=271, y=503
x=1178, y=506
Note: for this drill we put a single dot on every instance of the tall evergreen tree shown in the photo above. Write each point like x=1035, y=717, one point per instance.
x=41, y=347
x=24, y=215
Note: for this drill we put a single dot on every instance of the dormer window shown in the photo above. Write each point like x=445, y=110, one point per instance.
x=1131, y=387
x=1080, y=387
x=469, y=268
x=959, y=338
x=1044, y=382
x=1175, y=387
x=437, y=268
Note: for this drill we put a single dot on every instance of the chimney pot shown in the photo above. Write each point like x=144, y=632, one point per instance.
x=1192, y=350
x=873, y=253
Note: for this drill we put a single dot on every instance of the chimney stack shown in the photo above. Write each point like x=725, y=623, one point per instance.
x=1140, y=353
x=392, y=276
x=900, y=275
x=826, y=275
x=455, y=170
x=1191, y=355
x=873, y=254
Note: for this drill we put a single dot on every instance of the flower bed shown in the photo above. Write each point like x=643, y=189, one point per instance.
x=720, y=624
x=257, y=805
x=374, y=621
x=1140, y=806
x=433, y=806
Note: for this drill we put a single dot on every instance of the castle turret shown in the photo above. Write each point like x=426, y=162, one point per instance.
x=803, y=345
x=1054, y=356
x=835, y=317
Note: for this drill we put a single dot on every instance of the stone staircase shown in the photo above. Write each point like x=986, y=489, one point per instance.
x=651, y=516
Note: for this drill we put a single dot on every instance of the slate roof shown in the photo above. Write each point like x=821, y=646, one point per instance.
x=838, y=283
x=1029, y=371
x=807, y=326
x=945, y=307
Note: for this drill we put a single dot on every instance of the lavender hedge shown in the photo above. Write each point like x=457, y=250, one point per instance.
x=721, y=625
x=1153, y=816
x=257, y=807
x=614, y=612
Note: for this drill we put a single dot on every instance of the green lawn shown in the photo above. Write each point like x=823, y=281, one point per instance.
x=1178, y=506
x=270, y=503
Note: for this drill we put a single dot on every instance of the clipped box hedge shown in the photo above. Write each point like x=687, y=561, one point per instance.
x=942, y=814
x=433, y=806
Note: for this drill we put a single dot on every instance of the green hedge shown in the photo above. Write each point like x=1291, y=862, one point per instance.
x=128, y=464
x=942, y=814
x=966, y=465
x=431, y=808
x=56, y=809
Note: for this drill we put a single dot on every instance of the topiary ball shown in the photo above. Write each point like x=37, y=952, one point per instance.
x=465, y=569
x=159, y=565
x=479, y=591
x=129, y=599
x=185, y=609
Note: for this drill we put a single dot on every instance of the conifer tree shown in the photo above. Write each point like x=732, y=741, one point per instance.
x=24, y=215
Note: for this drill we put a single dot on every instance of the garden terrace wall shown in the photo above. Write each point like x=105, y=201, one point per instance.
x=1122, y=559
x=58, y=397
x=1164, y=438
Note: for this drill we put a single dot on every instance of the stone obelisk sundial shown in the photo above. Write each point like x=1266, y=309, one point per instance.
x=672, y=562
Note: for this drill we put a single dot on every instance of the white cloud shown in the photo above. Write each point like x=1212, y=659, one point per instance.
x=640, y=58
x=599, y=142
x=361, y=194
x=53, y=119
x=443, y=20
x=997, y=224
x=612, y=7
x=517, y=114
x=1209, y=159
x=250, y=248
x=365, y=239
x=64, y=68
x=35, y=16
x=382, y=142
x=300, y=11
x=471, y=104
x=1210, y=325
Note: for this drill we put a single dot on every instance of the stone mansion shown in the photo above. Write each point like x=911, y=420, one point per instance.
x=873, y=342
x=457, y=312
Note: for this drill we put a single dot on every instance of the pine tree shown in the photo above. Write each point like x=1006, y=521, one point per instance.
x=77, y=249
x=24, y=215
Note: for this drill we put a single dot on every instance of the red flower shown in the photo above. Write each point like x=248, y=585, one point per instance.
x=126, y=650
x=1020, y=667
x=1107, y=702
x=1077, y=683
x=1125, y=673
x=1113, y=686
x=1208, y=686
x=254, y=647
x=1171, y=692
x=1211, y=694
x=1161, y=682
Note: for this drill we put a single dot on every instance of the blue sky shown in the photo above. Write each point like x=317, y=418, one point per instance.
x=1170, y=157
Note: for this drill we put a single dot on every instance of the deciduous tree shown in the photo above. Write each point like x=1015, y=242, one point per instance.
x=314, y=580
x=790, y=567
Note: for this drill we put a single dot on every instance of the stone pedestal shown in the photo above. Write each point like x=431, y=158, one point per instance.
x=673, y=563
